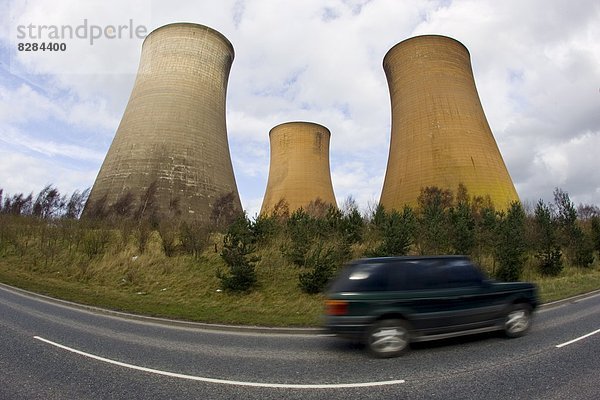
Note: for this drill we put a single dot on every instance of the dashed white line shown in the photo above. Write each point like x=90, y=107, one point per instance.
x=221, y=381
x=577, y=339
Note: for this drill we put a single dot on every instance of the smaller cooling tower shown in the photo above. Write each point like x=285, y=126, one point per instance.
x=299, y=170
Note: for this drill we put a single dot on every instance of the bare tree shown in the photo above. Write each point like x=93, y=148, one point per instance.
x=587, y=211
x=48, y=203
x=96, y=209
x=224, y=211
x=147, y=207
x=76, y=203
x=18, y=204
x=123, y=206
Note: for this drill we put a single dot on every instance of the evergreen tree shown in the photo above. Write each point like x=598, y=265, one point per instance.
x=433, y=220
x=511, y=247
x=579, y=246
x=398, y=232
x=321, y=264
x=595, y=228
x=462, y=226
x=548, y=250
x=301, y=229
x=238, y=247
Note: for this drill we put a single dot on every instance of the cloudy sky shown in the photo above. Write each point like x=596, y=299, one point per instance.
x=536, y=65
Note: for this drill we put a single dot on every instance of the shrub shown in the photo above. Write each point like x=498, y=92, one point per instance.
x=194, y=237
x=433, y=220
x=322, y=263
x=551, y=261
x=548, y=250
x=224, y=211
x=95, y=241
x=571, y=236
x=462, y=226
x=397, y=233
x=167, y=231
x=595, y=227
x=238, y=248
x=510, y=248
x=301, y=229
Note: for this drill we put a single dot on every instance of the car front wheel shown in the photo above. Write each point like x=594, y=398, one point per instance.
x=388, y=338
x=518, y=320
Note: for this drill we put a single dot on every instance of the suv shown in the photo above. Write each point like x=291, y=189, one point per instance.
x=389, y=302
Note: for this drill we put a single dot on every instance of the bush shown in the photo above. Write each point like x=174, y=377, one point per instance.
x=583, y=249
x=95, y=241
x=167, y=231
x=595, y=227
x=548, y=250
x=579, y=246
x=238, y=248
x=510, y=249
x=397, y=232
x=433, y=232
x=266, y=227
x=462, y=225
x=194, y=237
x=322, y=263
x=225, y=211
x=551, y=261
x=302, y=229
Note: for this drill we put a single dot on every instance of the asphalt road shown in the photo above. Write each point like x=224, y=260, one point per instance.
x=50, y=350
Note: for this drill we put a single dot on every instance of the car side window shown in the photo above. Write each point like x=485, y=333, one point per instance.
x=461, y=273
x=440, y=274
x=397, y=277
x=423, y=275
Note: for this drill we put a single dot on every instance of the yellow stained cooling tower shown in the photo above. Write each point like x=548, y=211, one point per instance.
x=299, y=170
x=172, y=139
x=439, y=136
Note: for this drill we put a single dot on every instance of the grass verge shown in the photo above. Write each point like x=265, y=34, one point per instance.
x=186, y=287
x=189, y=291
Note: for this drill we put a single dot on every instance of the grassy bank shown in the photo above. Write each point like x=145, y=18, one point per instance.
x=185, y=287
x=181, y=287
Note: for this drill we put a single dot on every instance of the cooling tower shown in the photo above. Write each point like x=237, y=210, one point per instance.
x=172, y=140
x=299, y=170
x=439, y=136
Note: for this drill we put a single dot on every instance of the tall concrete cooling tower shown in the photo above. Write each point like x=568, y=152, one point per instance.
x=173, y=137
x=439, y=136
x=299, y=170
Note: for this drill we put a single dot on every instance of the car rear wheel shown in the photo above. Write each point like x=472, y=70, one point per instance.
x=388, y=338
x=518, y=320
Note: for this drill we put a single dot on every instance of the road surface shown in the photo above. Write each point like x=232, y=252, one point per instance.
x=51, y=350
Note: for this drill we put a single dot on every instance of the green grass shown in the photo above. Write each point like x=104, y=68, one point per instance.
x=571, y=282
x=174, y=287
x=183, y=287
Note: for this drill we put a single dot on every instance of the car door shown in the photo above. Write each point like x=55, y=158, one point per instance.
x=433, y=303
x=474, y=305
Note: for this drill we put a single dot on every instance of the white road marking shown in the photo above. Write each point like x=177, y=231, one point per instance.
x=221, y=381
x=577, y=339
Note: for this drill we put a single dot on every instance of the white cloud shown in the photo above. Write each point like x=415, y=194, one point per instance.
x=24, y=142
x=22, y=173
x=25, y=105
x=536, y=66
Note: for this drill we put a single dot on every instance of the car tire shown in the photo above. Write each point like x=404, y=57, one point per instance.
x=517, y=321
x=388, y=338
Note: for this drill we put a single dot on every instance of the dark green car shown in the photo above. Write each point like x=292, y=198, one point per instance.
x=389, y=302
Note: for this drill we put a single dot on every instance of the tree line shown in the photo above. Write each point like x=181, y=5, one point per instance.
x=317, y=239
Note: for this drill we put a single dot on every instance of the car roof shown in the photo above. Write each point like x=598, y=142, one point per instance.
x=408, y=258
